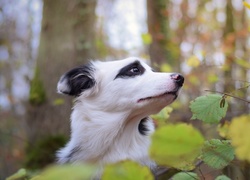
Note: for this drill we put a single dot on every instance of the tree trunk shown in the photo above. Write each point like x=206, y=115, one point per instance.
x=229, y=43
x=67, y=40
x=230, y=37
x=158, y=27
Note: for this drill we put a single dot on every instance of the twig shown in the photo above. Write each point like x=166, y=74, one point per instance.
x=201, y=173
x=230, y=95
x=169, y=172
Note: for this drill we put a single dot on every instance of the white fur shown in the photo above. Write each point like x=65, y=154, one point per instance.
x=105, y=118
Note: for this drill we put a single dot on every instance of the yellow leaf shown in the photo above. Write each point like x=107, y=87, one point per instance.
x=212, y=78
x=239, y=134
x=246, y=4
x=225, y=67
x=223, y=129
x=146, y=38
x=126, y=170
x=165, y=68
x=243, y=63
x=176, y=145
x=76, y=171
x=194, y=80
x=58, y=101
x=193, y=61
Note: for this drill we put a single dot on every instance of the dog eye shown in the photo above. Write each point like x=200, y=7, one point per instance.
x=135, y=70
x=131, y=70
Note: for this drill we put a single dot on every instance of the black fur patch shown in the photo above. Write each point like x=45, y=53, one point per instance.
x=143, y=129
x=72, y=152
x=79, y=79
x=131, y=70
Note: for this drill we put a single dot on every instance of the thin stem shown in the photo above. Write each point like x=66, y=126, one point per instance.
x=230, y=95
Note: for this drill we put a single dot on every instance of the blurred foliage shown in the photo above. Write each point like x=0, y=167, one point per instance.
x=41, y=153
x=176, y=146
x=165, y=68
x=63, y=172
x=127, y=170
x=67, y=172
x=179, y=146
x=239, y=134
x=58, y=102
x=246, y=4
x=243, y=63
x=37, y=90
x=163, y=116
x=223, y=129
x=21, y=174
x=193, y=61
x=146, y=38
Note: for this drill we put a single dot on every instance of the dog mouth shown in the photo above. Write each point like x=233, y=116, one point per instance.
x=174, y=93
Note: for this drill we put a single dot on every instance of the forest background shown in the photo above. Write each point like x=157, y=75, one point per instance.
x=205, y=40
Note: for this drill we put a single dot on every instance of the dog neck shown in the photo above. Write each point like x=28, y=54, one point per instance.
x=105, y=135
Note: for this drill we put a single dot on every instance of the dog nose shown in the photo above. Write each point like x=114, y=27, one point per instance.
x=178, y=78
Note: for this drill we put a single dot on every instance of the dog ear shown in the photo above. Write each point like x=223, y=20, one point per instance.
x=76, y=81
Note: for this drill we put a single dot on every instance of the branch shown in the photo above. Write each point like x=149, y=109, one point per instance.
x=167, y=173
x=230, y=95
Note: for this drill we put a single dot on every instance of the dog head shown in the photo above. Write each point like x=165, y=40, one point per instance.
x=123, y=85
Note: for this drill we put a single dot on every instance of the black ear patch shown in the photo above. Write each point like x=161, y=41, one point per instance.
x=77, y=80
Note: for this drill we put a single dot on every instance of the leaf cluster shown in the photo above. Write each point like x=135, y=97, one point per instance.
x=178, y=146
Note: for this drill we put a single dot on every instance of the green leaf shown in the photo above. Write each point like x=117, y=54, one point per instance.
x=176, y=146
x=68, y=172
x=185, y=176
x=208, y=108
x=217, y=154
x=127, y=170
x=222, y=177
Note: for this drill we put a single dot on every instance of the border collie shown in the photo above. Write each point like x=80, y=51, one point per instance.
x=113, y=100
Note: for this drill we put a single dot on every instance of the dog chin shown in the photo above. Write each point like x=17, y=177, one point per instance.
x=167, y=99
x=163, y=97
x=155, y=105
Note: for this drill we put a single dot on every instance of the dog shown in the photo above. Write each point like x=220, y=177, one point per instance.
x=113, y=100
